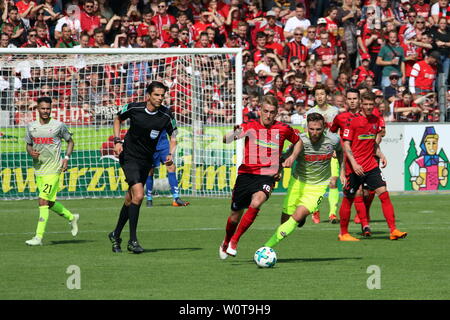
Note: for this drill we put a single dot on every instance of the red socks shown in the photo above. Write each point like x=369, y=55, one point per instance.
x=246, y=221
x=361, y=210
x=344, y=214
x=368, y=202
x=230, y=229
x=388, y=210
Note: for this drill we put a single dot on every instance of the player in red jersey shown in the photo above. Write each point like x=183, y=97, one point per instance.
x=264, y=141
x=341, y=122
x=362, y=168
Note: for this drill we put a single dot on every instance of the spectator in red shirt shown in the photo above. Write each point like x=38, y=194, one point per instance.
x=42, y=35
x=362, y=72
x=31, y=40
x=147, y=15
x=173, y=41
x=423, y=9
x=203, y=41
x=296, y=48
x=27, y=8
x=260, y=50
x=88, y=20
x=202, y=24
x=326, y=53
x=405, y=110
x=162, y=20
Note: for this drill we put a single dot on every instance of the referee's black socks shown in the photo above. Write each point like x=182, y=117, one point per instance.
x=133, y=214
x=123, y=218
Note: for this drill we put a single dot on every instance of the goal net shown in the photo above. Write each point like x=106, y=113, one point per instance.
x=89, y=86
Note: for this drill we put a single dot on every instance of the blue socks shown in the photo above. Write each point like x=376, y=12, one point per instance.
x=149, y=187
x=173, y=182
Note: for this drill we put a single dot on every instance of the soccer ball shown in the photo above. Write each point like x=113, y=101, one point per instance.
x=265, y=257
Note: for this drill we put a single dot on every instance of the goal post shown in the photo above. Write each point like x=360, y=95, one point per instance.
x=89, y=86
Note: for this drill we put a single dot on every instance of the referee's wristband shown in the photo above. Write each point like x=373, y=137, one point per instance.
x=117, y=140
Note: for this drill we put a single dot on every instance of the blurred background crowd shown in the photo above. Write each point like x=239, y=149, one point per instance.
x=397, y=49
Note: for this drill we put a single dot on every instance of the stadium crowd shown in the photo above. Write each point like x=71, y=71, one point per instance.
x=395, y=48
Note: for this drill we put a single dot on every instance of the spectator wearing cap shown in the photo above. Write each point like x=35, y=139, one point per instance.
x=401, y=11
x=72, y=19
x=360, y=74
x=271, y=23
x=162, y=20
x=88, y=20
x=439, y=10
x=310, y=41
x=423, y=75
x=392, y=58
x=409, y=24
x=296, y=22
x=423, y=9
x=326, y=53
x=295, y=48
x=413, y=53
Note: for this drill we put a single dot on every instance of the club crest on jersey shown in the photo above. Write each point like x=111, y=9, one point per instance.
x=154, y=134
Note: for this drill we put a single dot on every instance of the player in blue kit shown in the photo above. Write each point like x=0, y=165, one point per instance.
x=164, y=154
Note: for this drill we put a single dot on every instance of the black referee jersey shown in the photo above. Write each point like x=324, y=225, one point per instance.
x=145, y=128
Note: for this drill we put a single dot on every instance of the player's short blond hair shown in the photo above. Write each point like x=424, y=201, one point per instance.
x=270, y=99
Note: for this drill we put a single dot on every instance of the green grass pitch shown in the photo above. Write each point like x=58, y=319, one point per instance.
x=181, y=259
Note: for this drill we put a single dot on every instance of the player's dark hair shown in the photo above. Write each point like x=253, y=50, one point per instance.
x=321, y=86
x=155, y=85
x=44, y=99
x=315, y=117
x=352, y=90
x=368, y=96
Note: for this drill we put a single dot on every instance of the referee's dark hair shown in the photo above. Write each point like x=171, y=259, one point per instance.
x=44, y=99
x=155, y=85
x=315, y=117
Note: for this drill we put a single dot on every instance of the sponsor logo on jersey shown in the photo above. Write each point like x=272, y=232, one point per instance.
x=366, y=137
x=318, y=157
x=43, y=140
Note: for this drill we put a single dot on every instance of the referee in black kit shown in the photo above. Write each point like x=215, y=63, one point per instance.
x=147, y=120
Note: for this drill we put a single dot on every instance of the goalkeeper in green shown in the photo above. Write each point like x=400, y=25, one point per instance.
x=311, y=175
x=44, y=137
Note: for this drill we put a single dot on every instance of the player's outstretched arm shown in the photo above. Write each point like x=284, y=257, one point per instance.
x=233, y=135
x=298, y=147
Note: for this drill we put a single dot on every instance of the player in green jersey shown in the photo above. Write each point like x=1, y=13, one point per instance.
x=310, y=176
x=44, y=137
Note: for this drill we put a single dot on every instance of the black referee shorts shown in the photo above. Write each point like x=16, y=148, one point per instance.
x=246, y=185
x=371, y=180
x=135, y=170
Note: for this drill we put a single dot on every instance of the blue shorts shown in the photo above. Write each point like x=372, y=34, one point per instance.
x=160, y=157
